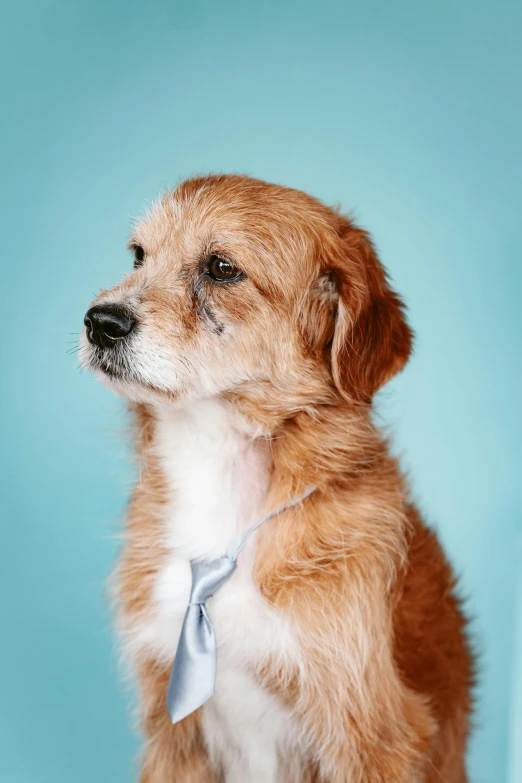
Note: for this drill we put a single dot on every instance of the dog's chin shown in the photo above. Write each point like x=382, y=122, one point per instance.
x=134, y=390
x=123, y=381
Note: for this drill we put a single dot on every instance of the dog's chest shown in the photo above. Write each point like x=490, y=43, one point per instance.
x=217, y=479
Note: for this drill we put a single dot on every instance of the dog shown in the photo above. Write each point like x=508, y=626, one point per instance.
x=250, y=339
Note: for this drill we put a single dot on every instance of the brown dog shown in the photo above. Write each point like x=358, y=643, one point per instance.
x=251, y=338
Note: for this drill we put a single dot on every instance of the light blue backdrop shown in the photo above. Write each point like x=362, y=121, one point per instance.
x=408, y=113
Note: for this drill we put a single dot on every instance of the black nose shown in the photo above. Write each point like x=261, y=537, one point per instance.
x=106, y=324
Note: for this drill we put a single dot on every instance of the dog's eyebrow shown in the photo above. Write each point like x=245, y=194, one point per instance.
x=213, y=248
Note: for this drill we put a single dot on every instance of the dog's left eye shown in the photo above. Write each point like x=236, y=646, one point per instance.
x=139, y=256
x=222, y=271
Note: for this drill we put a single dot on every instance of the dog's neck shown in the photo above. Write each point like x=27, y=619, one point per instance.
x=331, y=443
x=328, y=439
x=217, y=475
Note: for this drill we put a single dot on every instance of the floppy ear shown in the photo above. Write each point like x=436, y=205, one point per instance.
x=371, y=341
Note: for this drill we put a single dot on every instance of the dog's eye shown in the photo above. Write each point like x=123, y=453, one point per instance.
x=139, y=255
x=222, y=271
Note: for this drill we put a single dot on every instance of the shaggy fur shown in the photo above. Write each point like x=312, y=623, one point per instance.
x=343, y=655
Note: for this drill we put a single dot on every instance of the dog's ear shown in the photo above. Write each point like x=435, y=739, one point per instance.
x=371, y=340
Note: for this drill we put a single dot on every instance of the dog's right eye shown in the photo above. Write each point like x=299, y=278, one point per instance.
x=220, y=270
x=139, y=255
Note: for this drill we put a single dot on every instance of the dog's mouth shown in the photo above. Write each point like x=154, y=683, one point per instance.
x=120, y=373
x=112, y=362
x=115, y=367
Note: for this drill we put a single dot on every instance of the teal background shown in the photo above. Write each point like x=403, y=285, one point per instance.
x=407, y=112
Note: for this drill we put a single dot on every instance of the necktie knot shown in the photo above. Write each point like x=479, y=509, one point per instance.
x=208, y=576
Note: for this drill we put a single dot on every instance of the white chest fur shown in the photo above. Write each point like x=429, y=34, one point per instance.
x=217, y=477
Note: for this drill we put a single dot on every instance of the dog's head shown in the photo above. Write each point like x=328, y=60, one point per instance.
x=244, y=287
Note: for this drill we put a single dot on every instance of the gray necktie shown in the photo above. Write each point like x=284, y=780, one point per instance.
x=193, y=676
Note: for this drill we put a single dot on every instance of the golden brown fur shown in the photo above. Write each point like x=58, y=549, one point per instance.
x=384, y=696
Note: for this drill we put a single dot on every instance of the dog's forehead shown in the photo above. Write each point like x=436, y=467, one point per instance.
x=189, y=225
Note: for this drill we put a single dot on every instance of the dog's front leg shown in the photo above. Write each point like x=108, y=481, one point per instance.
x=166, y=759
x=172, y=753
x=368, y=738
x=369, y=729
x=362, y=723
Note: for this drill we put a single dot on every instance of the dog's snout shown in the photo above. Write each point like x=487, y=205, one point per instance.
x=106, y=324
